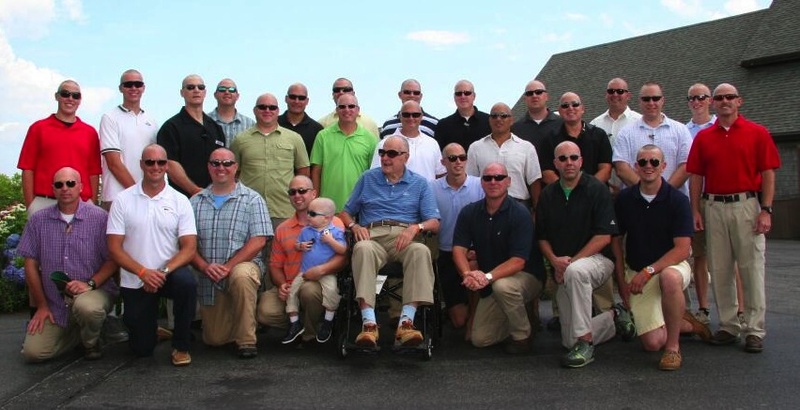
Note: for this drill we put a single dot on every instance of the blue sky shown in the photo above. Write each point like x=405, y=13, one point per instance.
x=265, y=46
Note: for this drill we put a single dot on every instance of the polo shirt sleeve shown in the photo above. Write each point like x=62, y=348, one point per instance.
x=353, y=205
x=167, y=138
x=116, y=216
x=338, y=234
x=462, y=234
x=767, y=153
x=318, y=150
x=427, y=203
x=30, y=148
x=186, y=222
x=621, y=149
x=300, y=154
x=683, y=221
x=542, y=211
x=604, y=219
x=694, y=163
x=306, y=235
x=604, y=151
x=94, y=163
x=685, y=145
x=472, y=160
x=260, y=223
x=28, y=244
x=546, y=154
x=520, y=240
x=620, y=209
x=278, y=255
x=109, y=135
x=533, y=169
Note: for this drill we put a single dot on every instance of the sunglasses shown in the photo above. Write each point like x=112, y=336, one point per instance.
x=389, y=153
x=653, y=162
x=498, y=177
x=60, y=184
x=223, y=89
x=151, y=162
x=225, y=163
x=460, y=93
x=67, y=94
x=697, y=97
x=350, y=106
x=411, y=114
x=412, y=92
x=573, y=157
x=728, y=97
x=191, y=87
x=502, y=115
x=315, y=214
x=265, y=107
x=574, y=104
x=648, y=98
x=133, y=84
x=530, y=93
x=342, y=89
x=618, y=91
x=453, y=158
x=297, y=97
x=301, y=191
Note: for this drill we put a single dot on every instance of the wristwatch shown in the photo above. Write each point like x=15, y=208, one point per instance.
x=650, y=270
x=767, y=209
x=421, y=227
x=92, y=284
x=489, y=277
x=165, y=270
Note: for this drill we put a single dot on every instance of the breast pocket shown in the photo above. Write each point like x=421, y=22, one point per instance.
x=281, y=157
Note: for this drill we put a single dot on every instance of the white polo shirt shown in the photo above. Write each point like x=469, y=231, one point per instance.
x=151, y=227
x=123, y=131
x=518, y=156
x=424, y=156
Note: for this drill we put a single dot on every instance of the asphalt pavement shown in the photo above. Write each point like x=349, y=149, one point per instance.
x=623, y=376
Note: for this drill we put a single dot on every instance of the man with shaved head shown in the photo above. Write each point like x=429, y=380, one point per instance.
x=295, y=117
x=468, y=124
x=343, y=86
x=68, y=237
x=538, y=123
x=410, y=90
x=189, y=137
x=226, y=115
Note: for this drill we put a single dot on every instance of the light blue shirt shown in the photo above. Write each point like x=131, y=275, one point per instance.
x=239, y=124
x=450, y=202
x=695, y=128
x=410, y=200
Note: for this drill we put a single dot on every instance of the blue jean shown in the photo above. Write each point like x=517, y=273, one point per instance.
x=141, y=312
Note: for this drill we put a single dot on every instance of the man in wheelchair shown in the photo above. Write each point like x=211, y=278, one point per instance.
x=393, y=205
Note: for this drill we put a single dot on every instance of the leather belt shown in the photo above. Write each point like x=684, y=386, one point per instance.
x=386, y=222
x=729, y=198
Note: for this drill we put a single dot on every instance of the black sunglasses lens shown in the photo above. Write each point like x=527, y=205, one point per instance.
x=300, y=191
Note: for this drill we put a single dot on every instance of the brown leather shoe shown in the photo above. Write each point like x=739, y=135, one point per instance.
x=368, y=336
x=163, y=334
x=753, y=344
x=698, y=327
x=517, y=346
x=670, y=361
x=407, y=335
x=724, y=338
x=180, y=358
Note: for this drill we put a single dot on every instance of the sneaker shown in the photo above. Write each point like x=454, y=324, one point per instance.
x=753, y=344
x=295, y=329
x=325, y=330
x=114, y=331
x=93, y=353
x=163, y=334
x=407, y=335
x=580, y=355
x=180, y=358
x=698, y=328
x=368, y=336
x=517, y=346
x=702, y=316
x=723, y=338
x=248, y=351
x=670, y=361
x=623, y=323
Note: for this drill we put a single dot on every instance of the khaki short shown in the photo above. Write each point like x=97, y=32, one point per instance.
x=646, y=306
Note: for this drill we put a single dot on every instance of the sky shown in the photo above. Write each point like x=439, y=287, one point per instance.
x=265, y=46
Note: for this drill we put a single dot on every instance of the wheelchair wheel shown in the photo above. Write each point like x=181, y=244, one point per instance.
x=342, y=346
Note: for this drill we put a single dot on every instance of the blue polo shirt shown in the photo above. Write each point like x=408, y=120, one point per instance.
x=652, y=226
x=410, y=200
x=450, y=202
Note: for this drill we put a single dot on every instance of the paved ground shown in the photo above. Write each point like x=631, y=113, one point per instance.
x=622, y=376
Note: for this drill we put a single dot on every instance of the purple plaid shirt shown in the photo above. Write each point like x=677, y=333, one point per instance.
x=78, y=249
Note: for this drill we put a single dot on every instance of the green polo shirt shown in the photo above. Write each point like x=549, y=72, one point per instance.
x=343, y=159
x=267, y=163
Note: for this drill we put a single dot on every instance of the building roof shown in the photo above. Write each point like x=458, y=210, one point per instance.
x=757, y=52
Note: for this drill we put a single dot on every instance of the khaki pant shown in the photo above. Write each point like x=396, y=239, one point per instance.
x=87, y=314
x=504, y=312
x=330, y=293
x=272, y=310
x=575, y=301
x=232, y=317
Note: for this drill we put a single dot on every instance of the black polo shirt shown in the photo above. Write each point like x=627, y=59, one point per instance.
x=455, y=128
x=569, y=224
x=593, y=142
x=537, y=134
x=498, y=237
x=652, y=226
x=190, y=143
x=307, y=128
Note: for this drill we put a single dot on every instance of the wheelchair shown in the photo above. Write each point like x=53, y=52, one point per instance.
x=428, y=318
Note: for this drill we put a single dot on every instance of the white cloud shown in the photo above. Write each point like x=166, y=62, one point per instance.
x=576, y=17
x=438, y=38
x=741, y=6
x=74, y=9
x=556, y=37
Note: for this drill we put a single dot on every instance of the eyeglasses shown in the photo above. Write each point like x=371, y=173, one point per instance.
x=411, y=114
x=390, y=153
x=223, y=89
x=133, y=84
x=297, y=97
x=648, y=98
x=530, y=93
x=697, y=97
x=618, y=91
x=573, y=157
x=264, y=107
x=453, y=158
x=151, y=162
x=295, y=191
x=227, y=163
x=460, y=93
x=315, y=214
x=342, y=89
x=412, y=92
x=67, y=94
x=60, y=184
x=498, y=177
x=502, y=115
x=191, y=87
x=653, y=161
x=574, y=104
x=728, y=97
x=350, y=106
